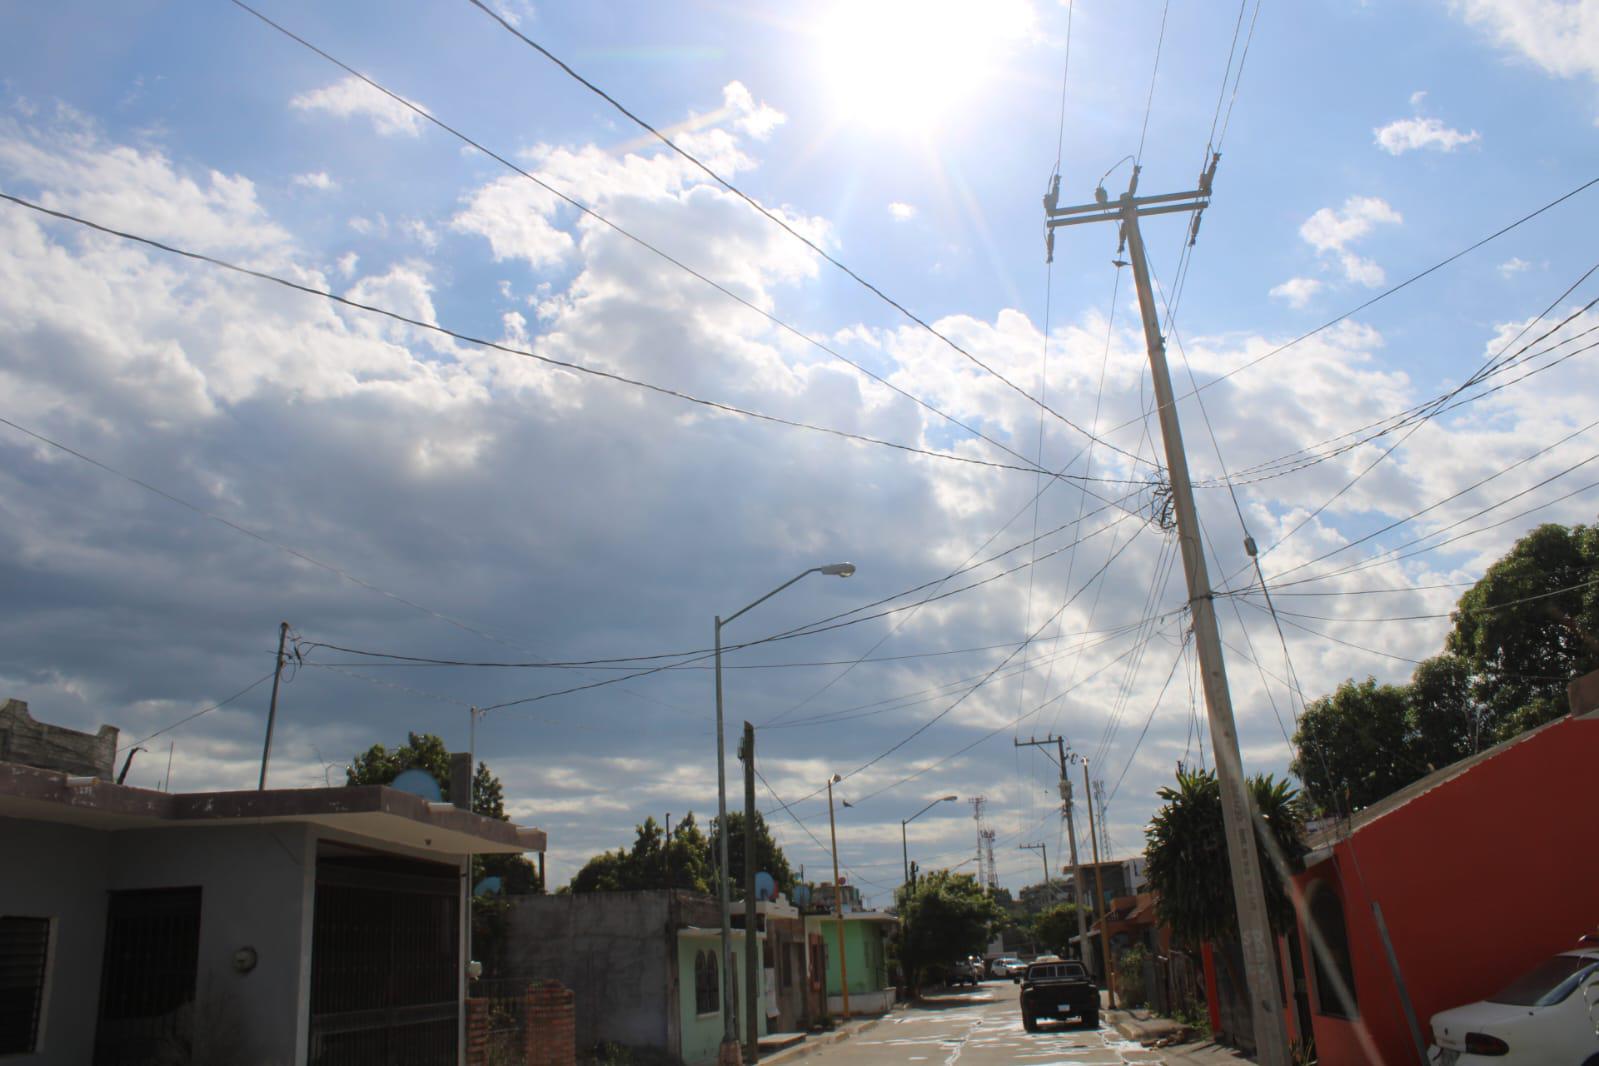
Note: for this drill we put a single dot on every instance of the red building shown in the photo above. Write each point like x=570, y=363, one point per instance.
x=1477, y=873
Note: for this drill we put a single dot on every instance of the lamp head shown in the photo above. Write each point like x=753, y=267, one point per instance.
x=837, y=569
x=836, y=778
x=949, y=799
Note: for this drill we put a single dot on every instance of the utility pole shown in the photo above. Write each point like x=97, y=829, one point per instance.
x=838, y=905
x=1049, y=890
x=1237, y=812
x=272, y=708
x=752, y=970
x=1079, y=886
x=1099, y=893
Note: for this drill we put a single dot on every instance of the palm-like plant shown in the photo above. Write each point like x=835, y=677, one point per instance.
x=1186, y=851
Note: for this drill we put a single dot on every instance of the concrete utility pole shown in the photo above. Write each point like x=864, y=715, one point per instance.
x=838, y=905
x=272, y=707
x=1099, y=894
x=752, y=953
x=1249, y=892
x=1043, y=849
x=1078, y=885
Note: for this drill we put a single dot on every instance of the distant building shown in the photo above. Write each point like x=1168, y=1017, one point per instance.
x=1121, y=877
x=282, y=926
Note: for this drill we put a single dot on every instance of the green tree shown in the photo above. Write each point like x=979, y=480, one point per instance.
x=769, y=856
x=943, y=917
x=652, y=862
x=1056, y=926
x=1186, y=854
x=1353, y=745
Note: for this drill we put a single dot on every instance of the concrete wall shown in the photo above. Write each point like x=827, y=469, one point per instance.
x=33, y=743
x=252, y=881
x=616, y=951
x=67, y=869
x=253, y=892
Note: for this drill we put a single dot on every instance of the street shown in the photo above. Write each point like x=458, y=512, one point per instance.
x=983, y=1027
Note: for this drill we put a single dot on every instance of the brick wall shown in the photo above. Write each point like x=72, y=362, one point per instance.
x=477, y=1031
x=550, y=1035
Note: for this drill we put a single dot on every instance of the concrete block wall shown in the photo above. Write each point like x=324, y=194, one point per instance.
x=23, y=739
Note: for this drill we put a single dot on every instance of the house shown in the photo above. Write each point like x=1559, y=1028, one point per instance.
x=1448, y=889
x=1119, y=877
x=286, y=926
x=865, y=939
x=645, y=967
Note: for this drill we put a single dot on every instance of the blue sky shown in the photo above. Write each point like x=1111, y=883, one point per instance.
x=480, y=506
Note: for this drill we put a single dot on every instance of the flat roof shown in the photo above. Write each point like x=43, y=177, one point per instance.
x=377, y=812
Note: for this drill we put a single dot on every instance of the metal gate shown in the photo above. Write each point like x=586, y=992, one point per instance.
x=147, y=979
x=385, y=962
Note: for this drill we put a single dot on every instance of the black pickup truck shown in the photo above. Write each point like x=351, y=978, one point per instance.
x=1059, y=989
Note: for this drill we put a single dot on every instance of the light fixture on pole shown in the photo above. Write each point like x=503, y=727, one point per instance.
x=728, y=1054
x=904, y=848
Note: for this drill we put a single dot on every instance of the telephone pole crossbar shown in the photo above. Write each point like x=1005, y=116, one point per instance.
x=1238, y=814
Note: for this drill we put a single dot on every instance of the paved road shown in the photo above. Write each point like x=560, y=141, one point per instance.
x=979, y=1027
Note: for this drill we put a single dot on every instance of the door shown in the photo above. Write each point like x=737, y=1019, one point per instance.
x=147, y=978
x=385, y=963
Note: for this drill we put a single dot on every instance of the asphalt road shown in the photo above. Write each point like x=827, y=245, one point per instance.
x=979, y=1027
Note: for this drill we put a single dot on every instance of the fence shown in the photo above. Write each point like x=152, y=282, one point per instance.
x=1174, y=984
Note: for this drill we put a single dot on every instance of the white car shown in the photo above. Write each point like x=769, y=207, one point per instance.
x=1002, y=966
x=1549, y=1015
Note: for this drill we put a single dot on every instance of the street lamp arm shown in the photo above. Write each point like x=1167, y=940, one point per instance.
x=924, y=810
x=833, y=569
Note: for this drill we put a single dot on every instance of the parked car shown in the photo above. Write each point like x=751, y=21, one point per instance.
x=967, y=971
x=1547, y=1015
x=1001, y=967
x=1059, y=989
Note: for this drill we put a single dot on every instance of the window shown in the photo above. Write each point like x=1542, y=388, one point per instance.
x=1329, y=952
x=707, y=992
x=24, y=952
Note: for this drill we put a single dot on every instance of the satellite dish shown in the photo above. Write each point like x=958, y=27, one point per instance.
x=802, y=894
x=765, y=886
x=418, y=783
x=488, y=886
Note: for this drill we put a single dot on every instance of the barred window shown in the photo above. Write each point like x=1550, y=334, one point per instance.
x=24, y=951
x=707, y=990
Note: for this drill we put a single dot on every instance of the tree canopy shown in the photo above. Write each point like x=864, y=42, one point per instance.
x=944, y=917
x=1186, y=852
x=1519, y=635
x=1056, y=926
x=652, y=862
x=379, y=765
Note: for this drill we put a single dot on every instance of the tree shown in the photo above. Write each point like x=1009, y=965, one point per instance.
x=1186, y=853
x=652, y=862
x=768, y=856
x=1057, y=925
x=1519, y=635
x=943, y=917
x=1352, y=746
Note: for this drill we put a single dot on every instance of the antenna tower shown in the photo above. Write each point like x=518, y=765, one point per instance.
x=983, y=864
x=988, y=847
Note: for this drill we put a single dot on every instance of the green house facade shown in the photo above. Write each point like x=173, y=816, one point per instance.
x=866, y=936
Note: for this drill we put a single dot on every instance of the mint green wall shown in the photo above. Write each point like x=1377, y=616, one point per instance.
x=702, y=1033
x=864, y=950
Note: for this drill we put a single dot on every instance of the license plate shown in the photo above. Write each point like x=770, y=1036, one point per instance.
x=1064, y=1008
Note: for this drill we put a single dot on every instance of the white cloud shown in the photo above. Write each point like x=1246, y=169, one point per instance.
x=1417, y=98
x=1297, y=292
x=757, y=120
x=1559, y=36
x=515, y=216
x=1408, y=134
x=514, y=11
x=1330, y=231
x=354, y=98
x=318, y=180
x=1513, y=265
x=901, y=212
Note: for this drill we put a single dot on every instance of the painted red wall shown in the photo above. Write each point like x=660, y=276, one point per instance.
x=1479, y=879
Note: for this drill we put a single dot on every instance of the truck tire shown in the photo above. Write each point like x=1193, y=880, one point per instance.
x=1091, y=1019
x=1029, y=1023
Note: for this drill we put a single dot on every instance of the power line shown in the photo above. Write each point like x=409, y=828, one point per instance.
x=189, y=718
x=523, y=353
x=1149, y=104
x=752, y=202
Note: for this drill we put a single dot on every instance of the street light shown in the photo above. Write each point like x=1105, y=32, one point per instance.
x=728, y=1054
x=903, y=847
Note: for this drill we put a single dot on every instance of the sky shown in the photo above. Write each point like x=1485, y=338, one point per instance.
x=648, y=403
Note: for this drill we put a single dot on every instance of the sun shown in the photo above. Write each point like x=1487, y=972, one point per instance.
x=915, y=66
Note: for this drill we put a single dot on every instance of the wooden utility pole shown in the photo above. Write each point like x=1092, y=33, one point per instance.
x=272, y=707
x=1254, y=926
x=1079, y=887
x=752, y=949
x=1043, y=850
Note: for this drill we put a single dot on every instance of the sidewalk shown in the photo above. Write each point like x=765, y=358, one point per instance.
x=1178, y=1044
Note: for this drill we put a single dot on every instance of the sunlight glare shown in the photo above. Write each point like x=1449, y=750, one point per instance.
x=912, y=66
